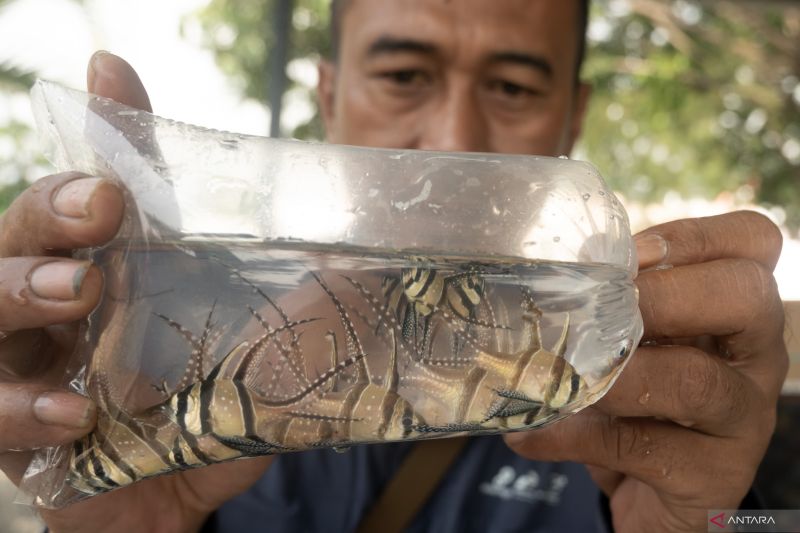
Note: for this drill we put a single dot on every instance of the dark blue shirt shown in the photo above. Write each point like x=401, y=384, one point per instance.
x=488, y=488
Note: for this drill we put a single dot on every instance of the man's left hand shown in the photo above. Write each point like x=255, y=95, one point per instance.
x=686, y=425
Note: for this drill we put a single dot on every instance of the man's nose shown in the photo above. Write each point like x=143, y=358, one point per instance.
x=457, y=124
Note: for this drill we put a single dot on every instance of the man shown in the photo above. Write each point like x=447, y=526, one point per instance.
x=681, y=432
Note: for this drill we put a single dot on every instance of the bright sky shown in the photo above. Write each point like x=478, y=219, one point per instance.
x=56, y=38
x=181, y=77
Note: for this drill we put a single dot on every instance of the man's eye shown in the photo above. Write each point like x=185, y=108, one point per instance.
x=511, y=89
x=405, y=77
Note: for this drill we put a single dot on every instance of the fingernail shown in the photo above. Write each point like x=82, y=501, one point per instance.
x=72, y=199
x=93, y=68
x=98, y=54
x=64, y=409
x=58, y=280
x=651, y=249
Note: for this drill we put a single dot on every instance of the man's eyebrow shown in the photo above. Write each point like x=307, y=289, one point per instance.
x=521, y=58
x=394, y=45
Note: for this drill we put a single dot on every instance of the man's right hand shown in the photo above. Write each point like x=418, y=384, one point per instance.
x=43, y=293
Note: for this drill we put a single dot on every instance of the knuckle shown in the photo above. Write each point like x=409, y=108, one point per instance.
x=625, y=439
x=756, y=286
x=699, y=384
x=761, y=222
x=759, y=228
x=610, y=441
x=707, y=389
x=737, y=400
x=697, y=236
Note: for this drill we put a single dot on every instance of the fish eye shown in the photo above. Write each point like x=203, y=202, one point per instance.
x=407, y=421
x=625, y=350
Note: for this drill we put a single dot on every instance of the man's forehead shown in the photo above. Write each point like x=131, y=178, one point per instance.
x=510, y=24
x=535, y=14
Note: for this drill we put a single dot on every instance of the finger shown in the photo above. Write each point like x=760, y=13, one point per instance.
x=61, y=212
x=687, y=386
x=40, y=353
x=607, y=480
x=724, y=297
x=742, y=235
x=734, y=299
x=33, y=416
x=16, y=355
x=667, y=457
x=112, y=77
x=40, y=291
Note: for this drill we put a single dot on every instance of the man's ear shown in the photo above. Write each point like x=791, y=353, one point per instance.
x=326, y=93
x=583, y=93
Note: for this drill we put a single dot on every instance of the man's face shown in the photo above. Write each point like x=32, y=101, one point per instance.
x=456, y=75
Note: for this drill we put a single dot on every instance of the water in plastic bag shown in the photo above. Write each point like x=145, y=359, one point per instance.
x=267, y=296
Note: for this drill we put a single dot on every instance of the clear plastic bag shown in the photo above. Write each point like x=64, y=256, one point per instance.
x=266, y=296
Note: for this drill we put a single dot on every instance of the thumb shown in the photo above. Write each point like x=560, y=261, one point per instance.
x=112, y=77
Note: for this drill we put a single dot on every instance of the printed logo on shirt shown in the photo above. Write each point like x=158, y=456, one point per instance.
x=527, y=487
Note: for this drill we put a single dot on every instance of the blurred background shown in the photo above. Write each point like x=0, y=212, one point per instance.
x=696, y=111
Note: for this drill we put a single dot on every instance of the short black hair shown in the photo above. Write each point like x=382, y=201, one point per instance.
x=337, y=8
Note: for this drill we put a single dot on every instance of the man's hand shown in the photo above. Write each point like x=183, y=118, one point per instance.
x=686, y=425
x=42, y=294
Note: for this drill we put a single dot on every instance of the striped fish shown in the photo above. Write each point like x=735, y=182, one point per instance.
x=538, y=381
x=421, y=292
x=508, y=389
x=222, y=407
x=368, y=411
x=211, y=420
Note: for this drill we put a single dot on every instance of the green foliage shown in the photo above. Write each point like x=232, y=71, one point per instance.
x=699, y=103
x=15, y=79
x=241, y=34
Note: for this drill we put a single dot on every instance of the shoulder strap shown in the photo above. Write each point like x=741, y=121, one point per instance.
x=412, y=484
